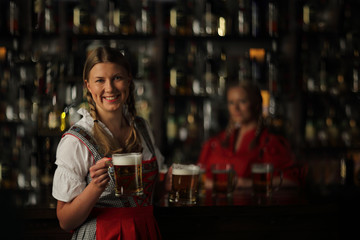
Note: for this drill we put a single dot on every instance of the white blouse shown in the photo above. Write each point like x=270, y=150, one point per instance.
x=73, y=160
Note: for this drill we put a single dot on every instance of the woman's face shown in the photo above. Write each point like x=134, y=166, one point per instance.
x=108, y=84
x=239, y=106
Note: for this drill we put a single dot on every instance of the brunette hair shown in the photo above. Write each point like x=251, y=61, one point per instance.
x=108, y=144
x=255, y=99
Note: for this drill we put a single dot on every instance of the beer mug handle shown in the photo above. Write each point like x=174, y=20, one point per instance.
x=281, y=180
x=111, y=170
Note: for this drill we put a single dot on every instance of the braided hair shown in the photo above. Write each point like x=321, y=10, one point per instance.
x=255, y=98
x=108, y=144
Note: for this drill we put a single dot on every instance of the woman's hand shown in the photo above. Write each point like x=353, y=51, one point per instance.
x=99, y=173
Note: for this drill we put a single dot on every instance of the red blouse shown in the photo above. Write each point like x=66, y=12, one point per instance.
x=271, y=148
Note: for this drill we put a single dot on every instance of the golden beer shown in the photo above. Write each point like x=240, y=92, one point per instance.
x=184, y=187
x=128, y=174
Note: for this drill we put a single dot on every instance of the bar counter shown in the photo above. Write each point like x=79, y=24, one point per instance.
x=289, y=214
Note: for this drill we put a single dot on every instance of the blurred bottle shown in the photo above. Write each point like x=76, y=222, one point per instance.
x=13, y=17
x=44, y=16
x=255, y=18
x=180, y=20
x=144, y=22
x=54, y=115
x=81, y=18
x=192, y=122
x=272, y=70
x=222, y=18
x=101, y=14
x=355, y=85
x=222, y=73
x=209, y=18
x=123, y=20
x=332, y=128
x=171, y=124
x=272, y=19
x=323, y=68
x=210, y=71
x=243, y=18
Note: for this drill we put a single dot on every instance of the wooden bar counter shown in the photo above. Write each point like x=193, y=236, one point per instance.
x=290, y=214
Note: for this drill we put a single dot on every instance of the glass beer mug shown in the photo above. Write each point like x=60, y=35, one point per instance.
x=262, y=177
x=127, y=174
x=224, y=179
x=184, y=185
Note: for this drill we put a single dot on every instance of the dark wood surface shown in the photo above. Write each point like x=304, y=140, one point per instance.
x=289, y=214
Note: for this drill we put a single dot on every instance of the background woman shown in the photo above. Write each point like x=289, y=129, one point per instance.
x=246, y=140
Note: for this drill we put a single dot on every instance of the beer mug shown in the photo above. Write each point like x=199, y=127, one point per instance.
x=127, y=175
x=184, y=186
x=224, y=179
x=262, y=177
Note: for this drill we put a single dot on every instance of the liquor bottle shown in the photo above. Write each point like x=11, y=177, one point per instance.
x=309, y=16
x=272, y=70
x=272, y=18
x=209, y=18
x=244, y=69
x=209, y=77
x=54, y=115
x=222, y=18
x=123, y=19
x=355, y=84
x=44, y=16
x=13, y=18
x=101, y=16
x=255, y=19
x=332, y=128
x=179, y=20
x=192, y=122
x=171, y=124
x=243, y=18
x=81, y=18
x=323, y=71
x=222, y=73
x=143, y=22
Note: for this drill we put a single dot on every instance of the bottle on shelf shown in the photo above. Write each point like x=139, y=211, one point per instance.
x=54, y=115
x=123, y=18
x=272, y=18
x=243, y=18
x=82, y=22
x=180, y=21
x=13, y=18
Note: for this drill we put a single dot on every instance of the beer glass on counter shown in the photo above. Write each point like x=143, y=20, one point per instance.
x=184, y=186
x=262, y=177
x=127, y=174
x=224, y=179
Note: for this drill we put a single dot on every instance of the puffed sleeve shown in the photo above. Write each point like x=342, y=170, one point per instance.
x=73, y=161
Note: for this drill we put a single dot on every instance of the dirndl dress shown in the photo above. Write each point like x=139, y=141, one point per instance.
x=128, y=218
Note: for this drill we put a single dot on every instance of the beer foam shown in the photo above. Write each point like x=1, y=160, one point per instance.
x=185, y=169
x=126, y=159
x=262, y=168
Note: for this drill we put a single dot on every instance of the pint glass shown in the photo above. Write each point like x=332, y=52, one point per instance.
x=224, y=179
x=127, y=174
x=262, y=177
x=184, y=187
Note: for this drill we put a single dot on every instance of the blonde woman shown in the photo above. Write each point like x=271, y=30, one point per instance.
x=86, y=200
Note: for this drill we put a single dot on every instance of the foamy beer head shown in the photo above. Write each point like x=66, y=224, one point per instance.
x=184, y=188
x=182, y=169
x=262, y=175
x=126, y=159
x=127, y=174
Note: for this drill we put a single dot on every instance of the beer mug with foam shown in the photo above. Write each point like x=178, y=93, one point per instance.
x=224, y=179
x=184, y=185
x=262, y=177
x=127, y=169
